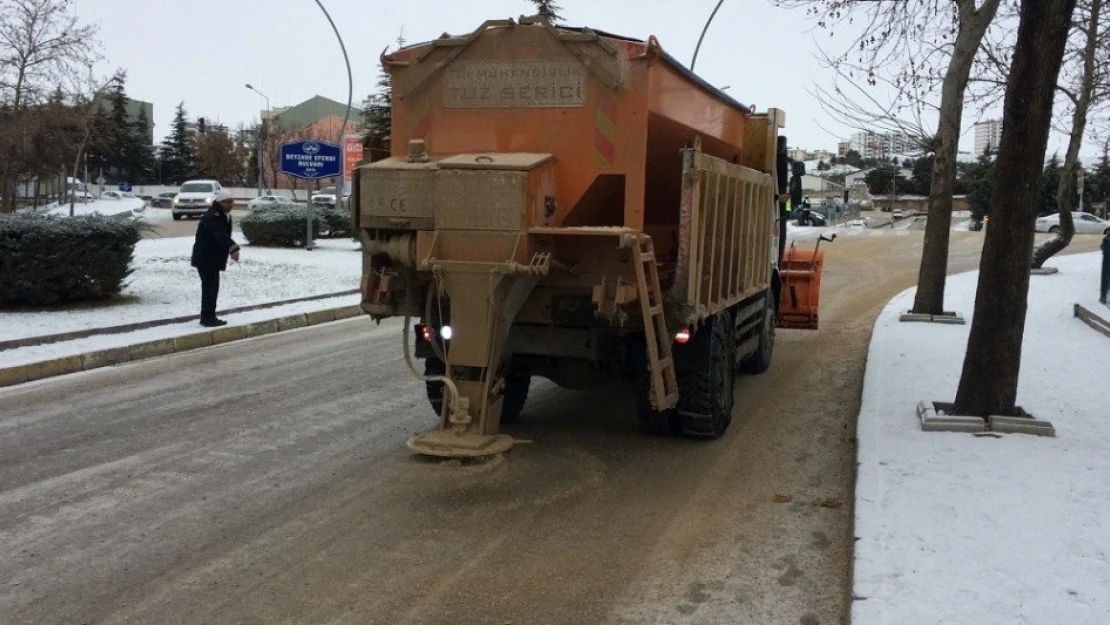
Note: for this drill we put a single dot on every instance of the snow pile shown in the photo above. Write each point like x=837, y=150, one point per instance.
x=164, y=285
x=955, y=528
x=108, y=206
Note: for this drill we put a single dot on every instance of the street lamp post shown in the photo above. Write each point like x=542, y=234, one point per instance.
x=258, y=136
x=350, y=92
x=694, y=61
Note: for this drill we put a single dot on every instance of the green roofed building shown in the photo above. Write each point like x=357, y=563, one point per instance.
x=310, y=112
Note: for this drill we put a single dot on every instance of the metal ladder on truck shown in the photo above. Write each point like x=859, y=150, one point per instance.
x=664, y=380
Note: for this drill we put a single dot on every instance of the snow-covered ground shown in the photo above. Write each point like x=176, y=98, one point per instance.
x=867, y=225
x=164, y=285
x=955, y=528
x=134, y=206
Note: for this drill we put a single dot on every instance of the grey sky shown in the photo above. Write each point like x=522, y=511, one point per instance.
x=202, y=52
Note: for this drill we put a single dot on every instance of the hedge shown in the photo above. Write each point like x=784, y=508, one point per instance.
x=337, y=220
x=282, y=226
x=285, y=225
x=50, y=259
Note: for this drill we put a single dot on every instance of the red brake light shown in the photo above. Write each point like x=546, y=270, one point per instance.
x=426, y=332
x=682, y=337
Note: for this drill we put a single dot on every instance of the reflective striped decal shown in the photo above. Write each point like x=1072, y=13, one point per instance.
x=605, y=130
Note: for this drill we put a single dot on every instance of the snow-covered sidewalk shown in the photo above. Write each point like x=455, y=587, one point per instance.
x=955, y=528
x=164, y=285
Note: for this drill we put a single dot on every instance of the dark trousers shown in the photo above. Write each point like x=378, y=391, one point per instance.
x=209, y=290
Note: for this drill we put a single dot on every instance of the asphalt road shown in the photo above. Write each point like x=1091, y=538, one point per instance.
x=266, y=481
x=165, y=226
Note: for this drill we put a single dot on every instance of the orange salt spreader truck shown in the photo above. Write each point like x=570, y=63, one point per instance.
x=567, y=203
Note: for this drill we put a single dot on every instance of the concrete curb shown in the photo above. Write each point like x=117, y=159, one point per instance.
x=19, y=374
x=937, y=417
x=1093, y=319
x=953, y=318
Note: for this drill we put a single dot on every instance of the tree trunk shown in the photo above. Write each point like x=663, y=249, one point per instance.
x=1064, y=190
x=933, y=272
x=988, y=384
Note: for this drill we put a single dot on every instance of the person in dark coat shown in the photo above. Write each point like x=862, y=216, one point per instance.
x=211, y=249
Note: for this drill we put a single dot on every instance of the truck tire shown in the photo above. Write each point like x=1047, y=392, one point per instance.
x=705, y=379
x=512, y=401
x=652, y=421
x=760, y=360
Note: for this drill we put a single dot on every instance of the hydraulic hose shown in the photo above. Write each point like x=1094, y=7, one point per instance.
x=448, y=384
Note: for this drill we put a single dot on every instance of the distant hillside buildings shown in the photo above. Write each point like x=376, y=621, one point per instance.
x=988, y=134
x=882, y=144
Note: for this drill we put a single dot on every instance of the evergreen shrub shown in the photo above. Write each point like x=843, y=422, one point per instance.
x=278, y=226
x=50, y=259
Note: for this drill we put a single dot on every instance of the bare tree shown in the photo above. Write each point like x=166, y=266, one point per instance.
x=933, y=272
x=1084, y=88
x=86, y=106
x=40, y=42
x=219, y=157
x=910, y=49
x=988, y=383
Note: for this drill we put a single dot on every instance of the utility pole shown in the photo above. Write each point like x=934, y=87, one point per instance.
x=85, y=191
x=258, y=134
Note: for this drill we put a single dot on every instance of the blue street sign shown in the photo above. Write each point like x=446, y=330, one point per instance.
x=311, y=160
x=125, y=186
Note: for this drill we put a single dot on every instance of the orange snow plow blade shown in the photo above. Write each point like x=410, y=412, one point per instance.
x=800, y=272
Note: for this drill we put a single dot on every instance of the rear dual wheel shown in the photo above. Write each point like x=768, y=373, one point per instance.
x=705, y=380
x=760, y=360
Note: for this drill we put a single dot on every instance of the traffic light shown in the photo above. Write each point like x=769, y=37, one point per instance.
x=201, y=128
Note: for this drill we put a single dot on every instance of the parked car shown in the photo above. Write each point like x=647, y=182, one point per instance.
x=163, y=200
x=111, y=195
x=809, y=217
x=194, y=197
x=896, y=213
x=1085, y=223
x=269, y=201
x=146, y=198
x=327, y=195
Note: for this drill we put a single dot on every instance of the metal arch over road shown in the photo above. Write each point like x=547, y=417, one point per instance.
x=212, y=487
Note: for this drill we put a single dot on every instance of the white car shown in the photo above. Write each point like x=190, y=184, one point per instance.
x=269, y=201
x=1085, y=223
x=325, y=196
x=194, y=197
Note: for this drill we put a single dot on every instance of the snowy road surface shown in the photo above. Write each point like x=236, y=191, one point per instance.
x=267, y=481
